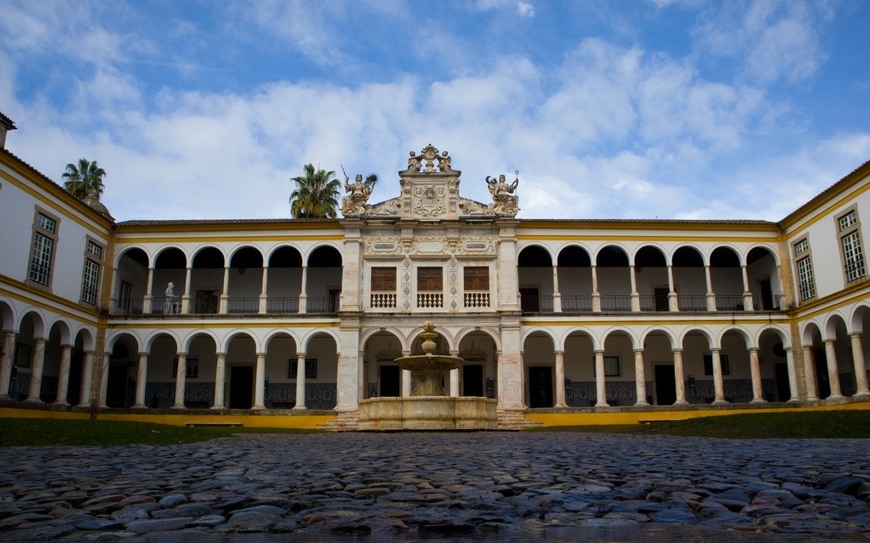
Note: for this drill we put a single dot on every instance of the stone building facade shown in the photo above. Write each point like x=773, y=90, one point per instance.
x=309, y=314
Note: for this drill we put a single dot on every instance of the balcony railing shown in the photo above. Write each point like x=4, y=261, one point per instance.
x=282, y=305
x=729, y=302
x=430, y=300
x=243, y=305
x=616, y=302
x=692, y=302
x=383, y=300
x=321, y=305
x=170, y=305
x=576, y=303
x=477, y=299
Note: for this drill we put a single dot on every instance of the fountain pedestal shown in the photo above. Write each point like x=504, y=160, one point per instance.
x=429, y=407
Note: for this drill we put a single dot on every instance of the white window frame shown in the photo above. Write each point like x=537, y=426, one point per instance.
x=43, y=248
x=851, y=248
x=92, y=271
x=804, y=275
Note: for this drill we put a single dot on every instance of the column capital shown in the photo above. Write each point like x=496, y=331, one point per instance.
x=559, y=351
x=638, y=350
x=715, y=349
x=677, y=350
x=598, y=351
x=855, y=333
x=181, y=353
x=752, y=349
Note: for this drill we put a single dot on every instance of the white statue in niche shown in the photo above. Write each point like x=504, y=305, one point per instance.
x=169, y=305
x=504, y=201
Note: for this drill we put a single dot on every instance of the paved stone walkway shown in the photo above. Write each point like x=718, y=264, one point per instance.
x=461, y=486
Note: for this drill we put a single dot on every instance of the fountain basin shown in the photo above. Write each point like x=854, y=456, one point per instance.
x=428, y=413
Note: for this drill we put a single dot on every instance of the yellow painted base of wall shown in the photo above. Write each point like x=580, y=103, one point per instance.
x=181, y=419
x=642, y=417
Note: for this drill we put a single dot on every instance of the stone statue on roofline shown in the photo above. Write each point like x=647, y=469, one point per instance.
x=358, y=192
x=504, y=201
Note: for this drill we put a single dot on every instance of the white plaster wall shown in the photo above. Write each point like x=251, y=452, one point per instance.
x=17, y=210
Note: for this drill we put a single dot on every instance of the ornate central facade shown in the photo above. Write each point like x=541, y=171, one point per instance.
x=311, y=314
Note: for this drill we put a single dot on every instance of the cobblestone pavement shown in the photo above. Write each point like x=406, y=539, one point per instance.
x=458, y=486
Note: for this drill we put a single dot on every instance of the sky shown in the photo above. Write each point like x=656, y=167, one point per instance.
x=609, y=109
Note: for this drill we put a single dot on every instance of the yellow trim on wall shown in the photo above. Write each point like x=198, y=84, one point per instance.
x=574, y=224
x=839, y=195
x=676, y=321
x=219, y=225
x=105, y=235
x=119, y=240
x=683, y=239
x=241, y=324
x=93, y=313
x=808, y=312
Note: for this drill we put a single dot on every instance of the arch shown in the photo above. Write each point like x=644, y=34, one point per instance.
x=672, y=339
x=612, y=256
x=246, y=256
x=725, y=256
x=773, y=329
x=758, y=252
x=650, y=255
x=324, y=256
x=37, y=320
x=318, y=333
x=748, y=338
x=464, y=332
x=208, y=256
x=712, y=341
x=857, y=319
x=188, y=339
x=832, y=321
x=136, y=253
x=809, y=330
x=447, y=337
x=534, y=256
x=284, y=256
x=119, y=336
x=688, y=256
x=242, y=333
x=279, y=333
x=171, y=257
x=8, y=321
x=618, y=330
x=154, y=335
x=574, y=256
x=88, y=342
x=541, y=331
x=404, y=344
x=561, y=344
x=63, y=329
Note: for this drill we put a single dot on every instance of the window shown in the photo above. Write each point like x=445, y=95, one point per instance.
x=91, y=276
x=708, y=364
x=429, y=279
x=476, y=278
x=310, y=368
x=43, y=246
x=611, y=366
x=850, y=246
x=383, y=279
x=804, y=265
x=124, y=296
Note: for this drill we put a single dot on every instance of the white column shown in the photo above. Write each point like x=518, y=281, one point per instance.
x=718, y=384
x=185, y=298
x=639, y=378
x=596, y=296
x=225, y=295
x=557, y=296
x=679, y=379
x=300, y=382
x=220, y=379
x=560, y=379
x=860, y=368
x=264, y=297
x=635, y=297
x=141, y=380
x=36, y=371
x=454, y=383
x=180, y=377
x=755, y=371
x=406, y=383
x=363, y=378
x=6, y=363
x=260, y=383
x=673, y=302
x=833, y=373
x=63, y=375
x=792, y=376
x=146, y=302
x=104, y=380
x=810, y=373
x=600, y=387
x=747, y=296
x=113, y=296
x=711, y=296
x=87, y=379
x=303, y=291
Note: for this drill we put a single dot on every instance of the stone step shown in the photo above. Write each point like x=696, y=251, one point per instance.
x=344, y=422
x=514, y=420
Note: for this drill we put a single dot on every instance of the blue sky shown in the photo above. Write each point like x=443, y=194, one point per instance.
x=677, y=109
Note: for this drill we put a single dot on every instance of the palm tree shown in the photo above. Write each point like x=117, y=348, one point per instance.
x=316, y=194
x=82, y=179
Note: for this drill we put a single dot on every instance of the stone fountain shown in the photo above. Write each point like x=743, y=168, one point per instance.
x=429, y=407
